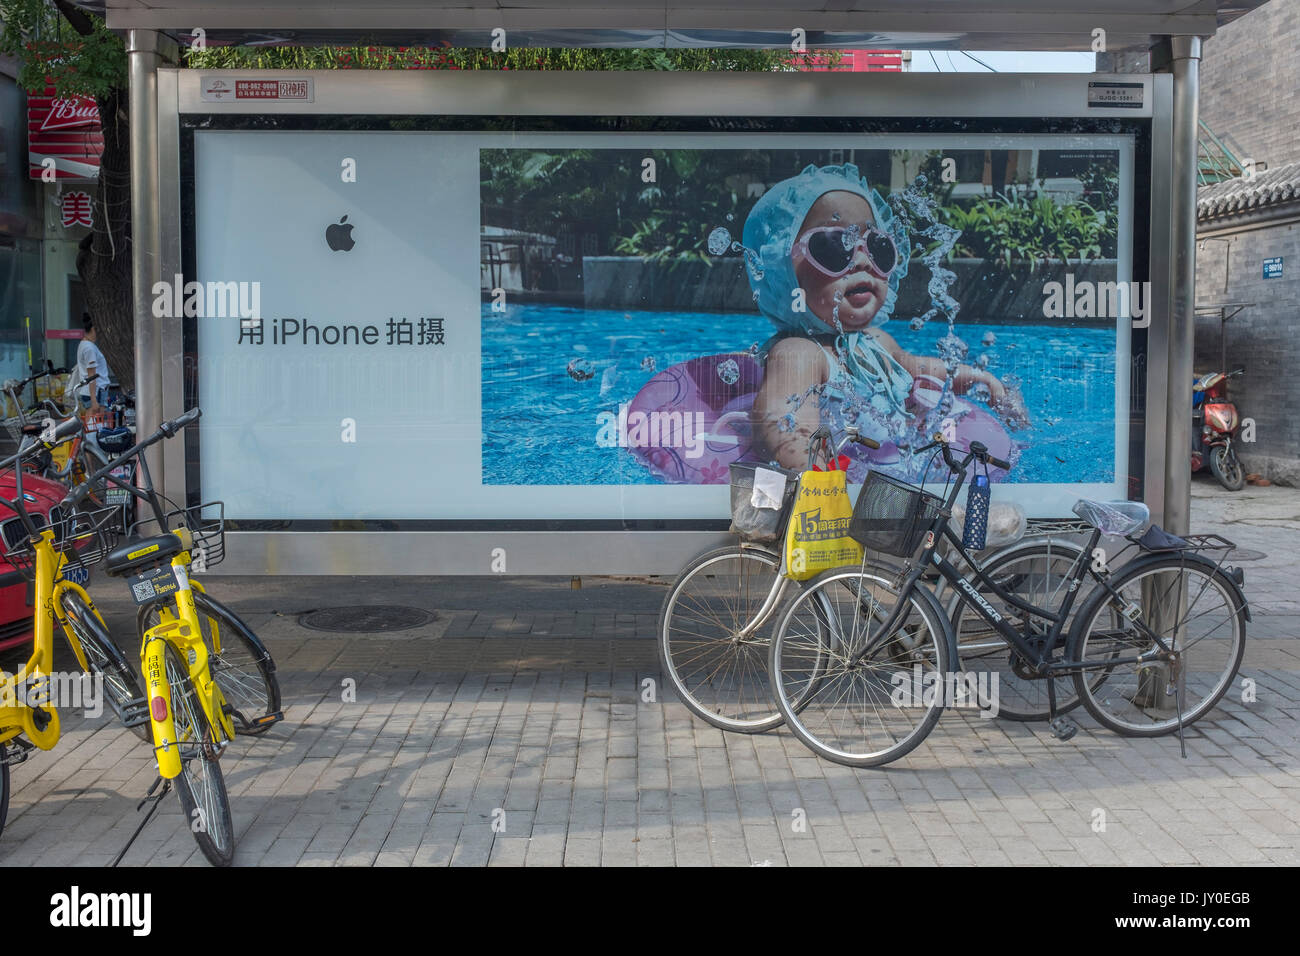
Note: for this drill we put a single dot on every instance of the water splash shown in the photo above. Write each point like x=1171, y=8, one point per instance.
x=581, y=370
x=729, y=371
x=648, y=363
x=610, y=380
x=989, y=340
x=920, y=213
x=719, y=241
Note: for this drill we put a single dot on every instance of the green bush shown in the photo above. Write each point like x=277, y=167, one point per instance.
x=1037, y=230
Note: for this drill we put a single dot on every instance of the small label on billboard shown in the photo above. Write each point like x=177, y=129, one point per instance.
x=1123, y=95
x=1273, y=268
x=220, y=89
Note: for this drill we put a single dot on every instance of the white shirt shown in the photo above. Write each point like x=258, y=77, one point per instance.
x=88, y=354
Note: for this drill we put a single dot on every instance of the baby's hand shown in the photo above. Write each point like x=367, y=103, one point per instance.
x=1010, y=407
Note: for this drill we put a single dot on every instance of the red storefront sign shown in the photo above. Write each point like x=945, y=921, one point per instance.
x=65, y=129
x=858, y=61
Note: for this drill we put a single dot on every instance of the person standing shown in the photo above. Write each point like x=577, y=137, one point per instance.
x=91, y=361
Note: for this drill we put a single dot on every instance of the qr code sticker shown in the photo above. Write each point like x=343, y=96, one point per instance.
x=143, y=590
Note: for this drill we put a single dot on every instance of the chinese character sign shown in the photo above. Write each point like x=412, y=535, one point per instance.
x=76, y=209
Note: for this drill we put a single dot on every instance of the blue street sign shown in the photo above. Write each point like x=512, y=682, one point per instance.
x=1273, y=268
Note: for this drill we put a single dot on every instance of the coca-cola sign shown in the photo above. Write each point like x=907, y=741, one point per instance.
x=64, y=140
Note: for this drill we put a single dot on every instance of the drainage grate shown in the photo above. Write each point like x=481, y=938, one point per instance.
x=367, y=619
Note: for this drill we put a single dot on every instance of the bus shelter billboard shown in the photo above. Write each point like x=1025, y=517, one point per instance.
x=432, y=322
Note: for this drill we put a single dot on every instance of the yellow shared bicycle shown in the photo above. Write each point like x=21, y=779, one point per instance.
x=50, y=555
x=190, y=718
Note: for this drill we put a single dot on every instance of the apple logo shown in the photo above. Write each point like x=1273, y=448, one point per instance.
x=339, y=237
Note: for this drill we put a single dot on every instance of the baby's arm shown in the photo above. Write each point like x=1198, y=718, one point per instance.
x=966, y=376
x=792, y=366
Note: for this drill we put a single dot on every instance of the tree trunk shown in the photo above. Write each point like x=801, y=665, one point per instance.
x=104, y=258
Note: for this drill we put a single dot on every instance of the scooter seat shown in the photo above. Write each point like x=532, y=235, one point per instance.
x=1113, y=517
x=141, y=553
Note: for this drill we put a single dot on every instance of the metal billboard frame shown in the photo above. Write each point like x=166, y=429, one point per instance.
x=432, y=93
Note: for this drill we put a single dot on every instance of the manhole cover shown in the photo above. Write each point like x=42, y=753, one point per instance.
x=1245, y=554
x=376, y=617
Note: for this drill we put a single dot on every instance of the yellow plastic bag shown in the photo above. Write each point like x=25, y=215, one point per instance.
x=818, y=536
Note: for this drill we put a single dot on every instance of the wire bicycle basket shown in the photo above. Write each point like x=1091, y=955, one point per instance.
x=891, y=516
x=82, y=537
x=206, y=524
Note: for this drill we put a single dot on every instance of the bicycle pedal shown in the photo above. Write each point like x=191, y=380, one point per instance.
x=267, y=719
x=1063, y=728
x=18, y=750
x=135, y=713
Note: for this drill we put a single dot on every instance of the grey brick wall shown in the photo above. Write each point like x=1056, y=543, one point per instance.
x=1265, y=339
x=1250, y=82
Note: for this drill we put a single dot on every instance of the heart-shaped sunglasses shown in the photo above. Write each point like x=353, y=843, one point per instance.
x=831, y=249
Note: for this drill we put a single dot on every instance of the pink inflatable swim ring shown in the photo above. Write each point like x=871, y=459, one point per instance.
x=970, y=423
x=691, y=421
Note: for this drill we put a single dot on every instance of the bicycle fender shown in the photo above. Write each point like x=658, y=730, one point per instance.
x=159, y=693
x=201, y=598
x=62, y=613
x=1100, y=594
x=949, y=632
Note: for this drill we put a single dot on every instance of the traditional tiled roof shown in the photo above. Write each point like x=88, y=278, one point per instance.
x=1280, y=184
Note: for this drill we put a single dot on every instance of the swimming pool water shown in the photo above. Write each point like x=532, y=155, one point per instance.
x=540, y=424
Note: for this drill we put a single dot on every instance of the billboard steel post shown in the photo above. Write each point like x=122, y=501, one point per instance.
x=144, y=55
x=1185, y=59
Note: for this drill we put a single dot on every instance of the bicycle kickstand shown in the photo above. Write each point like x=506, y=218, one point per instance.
x=1178, y=702
x=166, y=788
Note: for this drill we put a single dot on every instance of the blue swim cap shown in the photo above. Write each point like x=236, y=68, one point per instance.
x=773, y=225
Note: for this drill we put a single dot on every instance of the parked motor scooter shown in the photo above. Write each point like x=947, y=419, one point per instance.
x=1214, y=423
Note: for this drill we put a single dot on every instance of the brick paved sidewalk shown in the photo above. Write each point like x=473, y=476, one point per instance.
x=511, y=710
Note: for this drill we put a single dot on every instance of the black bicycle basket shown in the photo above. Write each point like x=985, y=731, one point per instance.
x=82, y=537
x=207, y=524
x=759, y=525
x=891, y=516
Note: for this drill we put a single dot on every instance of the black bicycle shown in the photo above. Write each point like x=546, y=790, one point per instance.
x=862, y=662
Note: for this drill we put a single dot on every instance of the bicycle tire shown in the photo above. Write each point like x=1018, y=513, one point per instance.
x=1034, y=572
x=103, y=657
x=822, y=686
x=244, y=669
x=1136, y=706
x=198, y=741
x=4, y=789
x=721, y=678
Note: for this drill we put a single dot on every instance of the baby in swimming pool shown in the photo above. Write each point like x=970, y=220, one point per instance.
x=830, y=259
